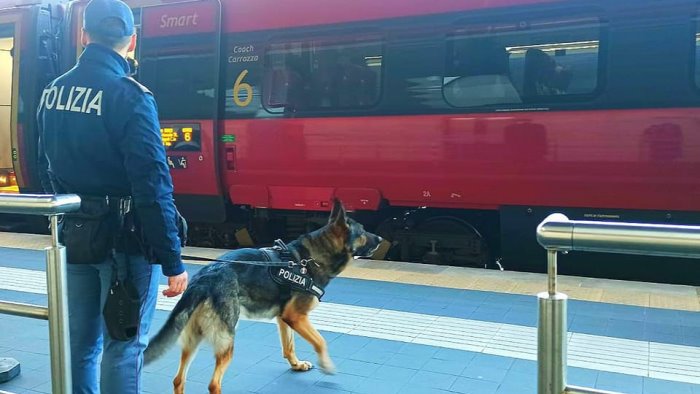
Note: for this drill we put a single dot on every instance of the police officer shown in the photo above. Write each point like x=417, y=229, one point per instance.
x=100, y=136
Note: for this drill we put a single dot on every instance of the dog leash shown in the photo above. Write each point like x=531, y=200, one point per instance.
x=288, y=272
x=279, y=247
x=261, y=263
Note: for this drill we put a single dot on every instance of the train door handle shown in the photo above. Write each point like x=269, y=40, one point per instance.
x=231, y=158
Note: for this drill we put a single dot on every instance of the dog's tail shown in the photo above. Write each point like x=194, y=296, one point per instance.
x=172, y=328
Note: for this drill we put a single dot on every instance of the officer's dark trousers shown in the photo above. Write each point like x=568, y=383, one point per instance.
x=122, y=362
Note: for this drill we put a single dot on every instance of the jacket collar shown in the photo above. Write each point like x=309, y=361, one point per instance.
x=102, y=56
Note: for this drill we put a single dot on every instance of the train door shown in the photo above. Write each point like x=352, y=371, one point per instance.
x=26, y=38
x=178, y=57
x=9, y=97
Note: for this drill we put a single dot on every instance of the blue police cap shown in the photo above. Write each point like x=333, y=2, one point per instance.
x=99, y=10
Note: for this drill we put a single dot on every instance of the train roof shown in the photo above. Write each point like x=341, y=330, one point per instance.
x=270, y=14
x=253, y=15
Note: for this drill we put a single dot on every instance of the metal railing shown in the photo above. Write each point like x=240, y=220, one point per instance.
x=556, y=234
x=52, y=206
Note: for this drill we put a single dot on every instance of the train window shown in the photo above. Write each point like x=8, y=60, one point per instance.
x=181, y=73
x=523, y=62
x=322, y=75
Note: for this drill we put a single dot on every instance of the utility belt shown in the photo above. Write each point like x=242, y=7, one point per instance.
x=105, y=225
x=98, y=229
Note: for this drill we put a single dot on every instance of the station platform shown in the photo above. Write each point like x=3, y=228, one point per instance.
x=410, y=328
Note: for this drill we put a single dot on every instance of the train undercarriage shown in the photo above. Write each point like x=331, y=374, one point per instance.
x=428, y=236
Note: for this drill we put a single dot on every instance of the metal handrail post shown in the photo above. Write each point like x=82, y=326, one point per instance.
x=551, y=334
x=59, y=340
x=52, y=206
x=556, y=234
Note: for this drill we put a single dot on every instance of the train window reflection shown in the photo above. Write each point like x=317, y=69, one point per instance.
x=322, y=75
x=523, y=62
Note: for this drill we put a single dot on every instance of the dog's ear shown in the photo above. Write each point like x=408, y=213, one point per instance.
x=338, y=215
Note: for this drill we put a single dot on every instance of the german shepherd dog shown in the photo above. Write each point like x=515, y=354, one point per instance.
x=221, y=292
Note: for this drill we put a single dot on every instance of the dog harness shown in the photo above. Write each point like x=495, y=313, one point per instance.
x=295, y=274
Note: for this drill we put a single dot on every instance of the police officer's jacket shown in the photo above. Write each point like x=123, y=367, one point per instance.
x=99, y=135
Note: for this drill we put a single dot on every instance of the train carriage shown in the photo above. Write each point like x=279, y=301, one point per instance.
x=453, y=127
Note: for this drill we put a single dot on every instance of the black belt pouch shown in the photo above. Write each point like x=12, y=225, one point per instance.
x=89, y=234
x=122, y=311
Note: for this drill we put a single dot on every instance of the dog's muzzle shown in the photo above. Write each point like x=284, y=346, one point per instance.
x=370, y=247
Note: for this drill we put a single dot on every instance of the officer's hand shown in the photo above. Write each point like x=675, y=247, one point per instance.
x=176, y=285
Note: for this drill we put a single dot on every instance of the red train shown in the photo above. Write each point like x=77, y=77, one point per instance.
x=452, y=126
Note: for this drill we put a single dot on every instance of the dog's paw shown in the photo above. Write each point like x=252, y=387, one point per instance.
x=302, y=366
x=327, y=366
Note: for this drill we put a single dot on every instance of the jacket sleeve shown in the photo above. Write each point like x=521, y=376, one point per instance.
x=43, y=163
x=42, y=160
x=151, y=184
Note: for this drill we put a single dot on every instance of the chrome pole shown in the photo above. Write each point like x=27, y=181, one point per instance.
x=57, y=311
x=551, y=334
x=552, y=272
x=38, y=204
x=24, y=310
x=59, y=342
x=559, y=233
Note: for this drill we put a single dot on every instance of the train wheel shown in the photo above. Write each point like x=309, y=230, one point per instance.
x=446, y=240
